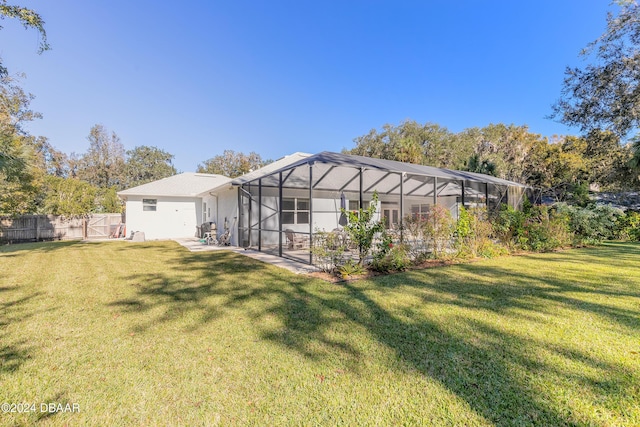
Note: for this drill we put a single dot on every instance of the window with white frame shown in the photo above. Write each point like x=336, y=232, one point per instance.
x=149, y=204
x=295, y=211
x=420, y=211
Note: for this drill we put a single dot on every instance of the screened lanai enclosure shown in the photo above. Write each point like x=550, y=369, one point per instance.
x=280, y=211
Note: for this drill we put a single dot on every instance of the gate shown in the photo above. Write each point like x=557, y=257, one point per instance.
x=101, y=226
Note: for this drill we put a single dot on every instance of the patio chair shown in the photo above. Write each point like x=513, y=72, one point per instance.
x=294, y=240
x=225, y=238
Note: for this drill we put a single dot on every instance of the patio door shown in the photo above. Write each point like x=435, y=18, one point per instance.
x=391, y=217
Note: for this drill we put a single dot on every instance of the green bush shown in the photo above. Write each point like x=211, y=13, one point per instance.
x=362, y=228
x=395, y=259
x=351, y=268
x=628, y=226
x=509, y=226
x=545, y=229
x=473, y=233
x=591, y=224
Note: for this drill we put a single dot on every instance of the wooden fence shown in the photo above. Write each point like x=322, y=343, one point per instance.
x=29, y=228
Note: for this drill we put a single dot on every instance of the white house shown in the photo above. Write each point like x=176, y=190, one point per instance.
x=281, y=207
x=175, y=206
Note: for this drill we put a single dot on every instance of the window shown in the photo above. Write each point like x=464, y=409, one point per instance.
x=295, y=211
x=204, y=212
x=420, y=211
x=354, y=205
x=149, y=204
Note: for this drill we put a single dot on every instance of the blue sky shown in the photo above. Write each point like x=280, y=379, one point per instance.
x=198, y=77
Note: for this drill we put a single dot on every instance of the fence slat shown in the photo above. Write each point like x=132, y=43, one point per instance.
x=29, y=228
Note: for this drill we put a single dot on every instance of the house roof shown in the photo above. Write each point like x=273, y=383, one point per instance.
x=369, y=163
x=187, y=184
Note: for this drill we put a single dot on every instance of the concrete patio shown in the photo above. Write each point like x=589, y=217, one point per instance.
x=194, y=245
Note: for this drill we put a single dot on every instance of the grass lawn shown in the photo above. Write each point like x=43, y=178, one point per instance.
x=151, y=334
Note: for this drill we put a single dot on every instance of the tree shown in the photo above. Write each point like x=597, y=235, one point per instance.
x=18, y=176
x=18, y=184
x=48, y=159
x=232, y=164
x=411, y=142
x=29, y=19
x=107, y=201
x=67, y=196
x=634, y=162
x=362, y=227
x=605, y=93
x=481, y=166
x=103, y=165
x=145, y=164
x=506, y=151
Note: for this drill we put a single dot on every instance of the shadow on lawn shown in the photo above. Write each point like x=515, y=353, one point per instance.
x=623, y=254
x=38, y=247
x=489, y=368
x=501, y=290
x=14, y=350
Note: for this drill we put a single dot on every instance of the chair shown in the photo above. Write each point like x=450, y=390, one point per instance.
x=209, y=233
x=225, y=238
x=294, y=240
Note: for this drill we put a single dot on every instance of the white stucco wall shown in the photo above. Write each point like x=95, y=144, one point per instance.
x=173, y=217
x=224, y=203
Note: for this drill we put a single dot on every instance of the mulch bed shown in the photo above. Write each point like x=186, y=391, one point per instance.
x=430, y=263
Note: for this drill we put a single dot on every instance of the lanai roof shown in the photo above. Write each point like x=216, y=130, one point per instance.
x=336, y=171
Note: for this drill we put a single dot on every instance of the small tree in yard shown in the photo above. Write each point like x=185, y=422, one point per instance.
x=438, y=229
x=362, y=228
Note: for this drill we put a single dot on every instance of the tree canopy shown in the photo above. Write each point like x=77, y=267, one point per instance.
x=605, y=94
x=232, y=164
x=145, y=164
x=103, y=165
x=511, y=152
x=29, y=19
x=18, y=176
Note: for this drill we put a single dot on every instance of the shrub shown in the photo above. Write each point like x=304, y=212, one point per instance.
x=438, y=229
x=350, y=268
x=592, y=224
x=414, y=237
x=509, y=226
x=395, y=259
x=473, y=232
x=545, y=229
x=429, y=235
x=628, y=226
x=328, y=251
x=362, y=228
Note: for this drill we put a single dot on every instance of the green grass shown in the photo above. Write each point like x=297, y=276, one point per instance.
x=150, y=334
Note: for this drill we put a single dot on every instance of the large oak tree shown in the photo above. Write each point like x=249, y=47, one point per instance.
x=605, y=93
